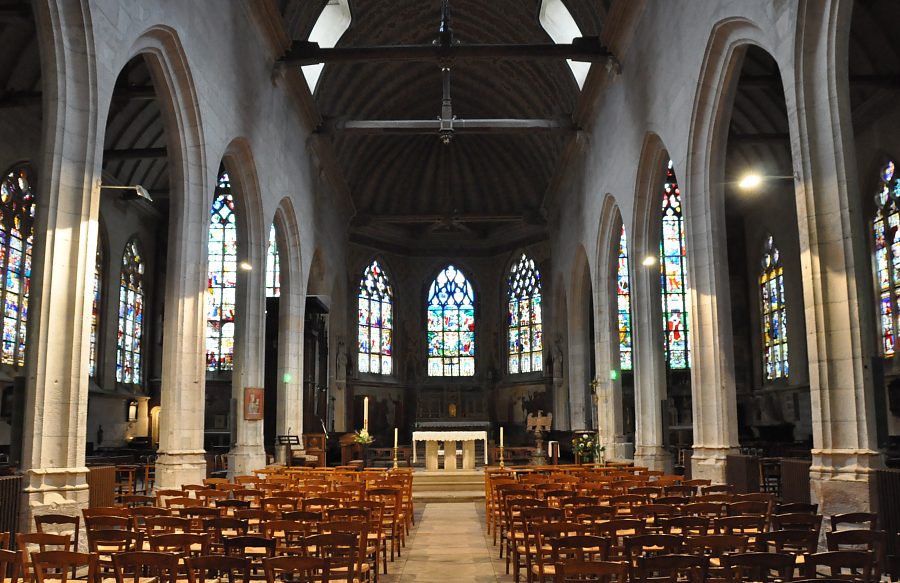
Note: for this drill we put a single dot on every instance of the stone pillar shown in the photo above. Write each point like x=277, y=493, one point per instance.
x=67, y=191
x=449, y=455
x=836, y=264
x=181, y=458
x=713, y=392
x=649, y=361
x=468, y=450
x=291, y=308
x=248, y=452
x=431, y=455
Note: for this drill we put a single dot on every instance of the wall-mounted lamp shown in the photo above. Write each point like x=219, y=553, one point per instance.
x=132, y=411
x=752, y=180
x=649, y=261
x=137, y=191
x=245, y=266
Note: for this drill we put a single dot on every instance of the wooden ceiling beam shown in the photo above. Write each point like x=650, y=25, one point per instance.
x=134, y=154
x=587, y=49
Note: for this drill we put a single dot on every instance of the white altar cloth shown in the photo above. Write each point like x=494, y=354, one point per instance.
x=450, y=436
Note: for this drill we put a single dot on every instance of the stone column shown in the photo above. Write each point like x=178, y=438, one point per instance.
x=431, y=455
x=836, y=263
x=65, y=242
x=649, y=361
x=291, y=308
x=248, y=452
x=713, y=398
x=181, y=458
x=449, y=455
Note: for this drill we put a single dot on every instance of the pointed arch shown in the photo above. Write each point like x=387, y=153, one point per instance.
x=375, y=320
x=525, y=320
x=450, y=315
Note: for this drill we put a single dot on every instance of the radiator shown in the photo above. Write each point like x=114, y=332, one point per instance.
x=795, y=480
x=10, y=496
x=102, y=483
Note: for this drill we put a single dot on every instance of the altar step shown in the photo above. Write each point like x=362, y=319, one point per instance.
x=441, y=486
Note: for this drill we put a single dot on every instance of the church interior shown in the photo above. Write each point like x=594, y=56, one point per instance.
x=339, y=233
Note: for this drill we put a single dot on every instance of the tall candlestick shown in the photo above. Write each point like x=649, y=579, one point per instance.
x=501, y=436
x=396, y=437
x=366, y=413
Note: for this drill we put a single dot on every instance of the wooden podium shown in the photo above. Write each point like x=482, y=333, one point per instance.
x=350, y=450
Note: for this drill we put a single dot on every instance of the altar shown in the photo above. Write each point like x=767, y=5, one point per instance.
x=450, y=438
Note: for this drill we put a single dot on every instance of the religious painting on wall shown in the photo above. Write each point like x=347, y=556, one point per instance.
x=253, y=403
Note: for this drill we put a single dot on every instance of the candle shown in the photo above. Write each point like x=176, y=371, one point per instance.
x=501, y=436
x=396, y=437
x=366, y=413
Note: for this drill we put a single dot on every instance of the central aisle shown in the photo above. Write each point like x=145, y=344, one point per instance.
x=448, y=544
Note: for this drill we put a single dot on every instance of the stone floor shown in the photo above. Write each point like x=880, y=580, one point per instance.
x=448, y=543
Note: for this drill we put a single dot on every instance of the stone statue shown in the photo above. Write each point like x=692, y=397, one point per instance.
x=557, y=356
x=342, y=360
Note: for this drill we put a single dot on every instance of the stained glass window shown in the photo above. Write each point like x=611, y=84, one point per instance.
x=95, y=311
x=375, y=321
x=525, y=318
x=17, y=206
x=673, y=270
x=886, y=227
x=273, y=266
x=220, y=297
x=451, y=325
x=131, y=315
x=623, y=301
x=774, y=313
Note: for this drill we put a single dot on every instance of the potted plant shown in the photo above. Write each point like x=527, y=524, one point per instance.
x=587, y=449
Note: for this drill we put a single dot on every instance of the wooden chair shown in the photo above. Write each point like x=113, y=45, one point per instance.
x=220, y=528
x=255, y=518
x=654, y=515
x=154, y=525
x=255, y=548
x=342, y=552
x=29, y=544
x=573, y=571
x=542, y=567
x=717, y=489
x=106, y=511
x=297, y=569
x=59, y=524
x=716, y=547
x=796, y=507
x=288, y=534
x=617, y=531
x=691, y=568
x=873, y=541
x=107, y=543
x=797, y=521
x=651, y=545
x=862, y=519
x=182, y=545
x=358, y=529
x=711, y=510
x=391, y=498
x=105, y=522
x=137, y=500
x=762, y=567
x=145, y=567
x=794, y=542
x=232, y=504
x=4, y=541
x=218, y=568
x=747, y=525
x=847, y=565
x=55, y=566
x=687, y=525
x=9, y=565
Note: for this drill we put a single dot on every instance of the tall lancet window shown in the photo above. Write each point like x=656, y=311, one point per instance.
x=131, y=315
x=886, y=227
x=673, y=267
x=375, y=322
x=220, y=297
x=451, y=325
x=623, y=302
x=774, y=313
x=525, y=318
x=273, y=266
x=17, y=207
x=95, y=311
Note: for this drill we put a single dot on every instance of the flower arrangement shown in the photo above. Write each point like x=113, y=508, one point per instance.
x=363, y=437
x=586, y=447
